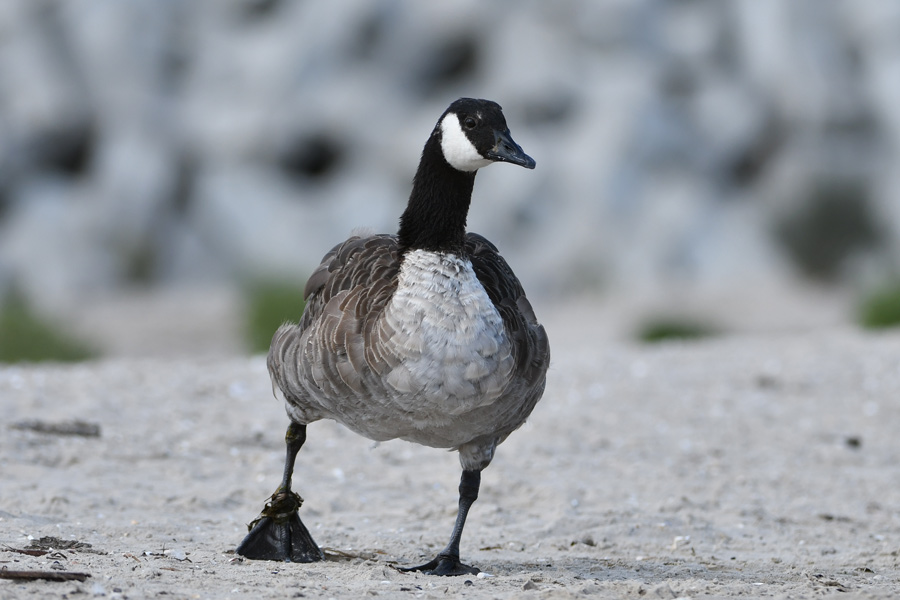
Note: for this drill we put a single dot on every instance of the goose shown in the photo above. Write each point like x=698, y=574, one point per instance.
x=425, y=336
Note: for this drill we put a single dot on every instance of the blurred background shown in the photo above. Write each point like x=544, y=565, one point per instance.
x=172, y=170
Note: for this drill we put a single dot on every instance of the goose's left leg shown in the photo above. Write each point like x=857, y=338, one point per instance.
x=447, y=561
x=278, y=533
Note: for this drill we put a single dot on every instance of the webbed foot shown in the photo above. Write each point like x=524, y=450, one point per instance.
x=445, y=565
x=279, y=534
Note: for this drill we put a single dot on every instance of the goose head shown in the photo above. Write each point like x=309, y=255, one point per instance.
x=473, y=134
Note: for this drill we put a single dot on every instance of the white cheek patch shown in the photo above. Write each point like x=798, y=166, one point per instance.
x=458, y=150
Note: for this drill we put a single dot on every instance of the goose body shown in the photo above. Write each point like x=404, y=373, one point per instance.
x=426, y=335
x=415, y=350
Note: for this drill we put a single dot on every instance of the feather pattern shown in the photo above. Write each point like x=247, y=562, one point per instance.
x=430, y=347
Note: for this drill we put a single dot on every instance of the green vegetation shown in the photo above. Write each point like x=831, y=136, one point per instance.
x=268, y=306
x=25, y=337
x=881, y=309
x=659, y=329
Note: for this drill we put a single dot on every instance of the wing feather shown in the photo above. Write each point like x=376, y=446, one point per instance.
x=530, y=346
x=344, y=297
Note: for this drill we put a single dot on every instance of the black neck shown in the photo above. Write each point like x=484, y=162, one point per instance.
x=435, y=218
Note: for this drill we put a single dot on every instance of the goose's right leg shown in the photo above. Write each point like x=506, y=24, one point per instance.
x=278, y=533
x=447, y=562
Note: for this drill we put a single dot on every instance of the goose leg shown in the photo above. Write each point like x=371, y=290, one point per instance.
x=447, y=561
x=278, y=533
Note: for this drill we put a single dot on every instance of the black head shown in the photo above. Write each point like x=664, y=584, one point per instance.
x=473, y=134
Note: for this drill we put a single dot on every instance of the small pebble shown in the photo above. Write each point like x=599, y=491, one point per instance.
x=177, y=554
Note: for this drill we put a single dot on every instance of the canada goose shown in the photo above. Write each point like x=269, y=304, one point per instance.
x=424, y=336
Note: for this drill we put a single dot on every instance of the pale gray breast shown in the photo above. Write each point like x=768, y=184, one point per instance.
x=454, y=353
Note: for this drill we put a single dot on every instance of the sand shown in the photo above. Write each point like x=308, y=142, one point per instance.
x=748, y=465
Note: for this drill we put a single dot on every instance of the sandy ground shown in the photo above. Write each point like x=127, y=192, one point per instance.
x=751, y=465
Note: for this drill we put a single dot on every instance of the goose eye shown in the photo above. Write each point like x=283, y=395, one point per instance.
x=470, y=123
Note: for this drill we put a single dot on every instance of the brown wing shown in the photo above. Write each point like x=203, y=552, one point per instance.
x=370, y=263
x=530, y=343
x=334, y=347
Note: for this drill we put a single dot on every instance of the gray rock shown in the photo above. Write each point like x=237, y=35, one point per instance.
x=169, y=142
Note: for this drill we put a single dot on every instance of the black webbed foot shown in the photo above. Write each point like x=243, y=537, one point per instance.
x=447, y=562
x=445, y=565
x=279, y=534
